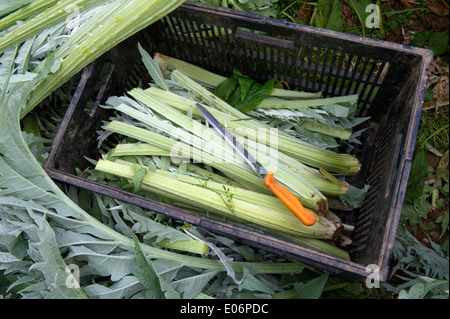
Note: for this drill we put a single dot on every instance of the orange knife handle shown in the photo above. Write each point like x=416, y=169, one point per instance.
x=290, y=200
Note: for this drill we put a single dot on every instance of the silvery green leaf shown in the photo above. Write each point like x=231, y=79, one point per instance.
x=67, y=238
x=222, y=257
x=25, y=280
x=7, y=231
x=56, y=63
x=40, y=41
x=121, y=226
x=22, y=175
x=111, y=102
x=153, y=229
x=354, y=138
x=53, y=39
x=169, y=291
x=23, y=57
x=164, y=163
x=355, y=196
x=182, y=168
x=144, y=223
x=193, y=285
x=36, y=144
x=126, y=287
x=314, y=138
x=166, y=269
x=116, y=265
x=78, y=226
x=6, y=69
x=138, y=106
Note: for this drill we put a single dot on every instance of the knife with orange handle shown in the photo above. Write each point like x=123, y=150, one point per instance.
x=287, y=197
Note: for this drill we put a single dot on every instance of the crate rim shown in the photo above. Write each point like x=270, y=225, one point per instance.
x=426, y=54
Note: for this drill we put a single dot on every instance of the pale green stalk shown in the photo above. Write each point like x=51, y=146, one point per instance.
x=102, y=13
x=309, y=194
x=193, y=246
x=268, y=201
x=317, y=244
x=213, y=80
x=326, y=186
x=304, y=152
x=197, y=73
x=277, y=103
x=342, y=164
x=288, y=94
x=138, y=149
x=280, y=220
x=53, y=14
x=211, y=176
x=145, y=149
x=26, y=12
x=326, y=129
x=243, y=176
x=186, y=133
x=249, y=196
x=185, y=105
x=257, y=199
x=135, y=16
x=206, y=95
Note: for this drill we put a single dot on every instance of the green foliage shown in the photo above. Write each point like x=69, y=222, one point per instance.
x=244, y=93
x=436, y=41
x=329, y=15
x=312, y=289
x=359, y=10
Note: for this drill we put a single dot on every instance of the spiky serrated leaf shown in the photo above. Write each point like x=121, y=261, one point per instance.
x=51, y=263
x=193, y=285
x=116, y=265
x=146, y=273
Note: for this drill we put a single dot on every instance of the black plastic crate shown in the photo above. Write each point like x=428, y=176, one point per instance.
x=390, y=78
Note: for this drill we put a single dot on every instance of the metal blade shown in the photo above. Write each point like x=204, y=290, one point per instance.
x=257, y=167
